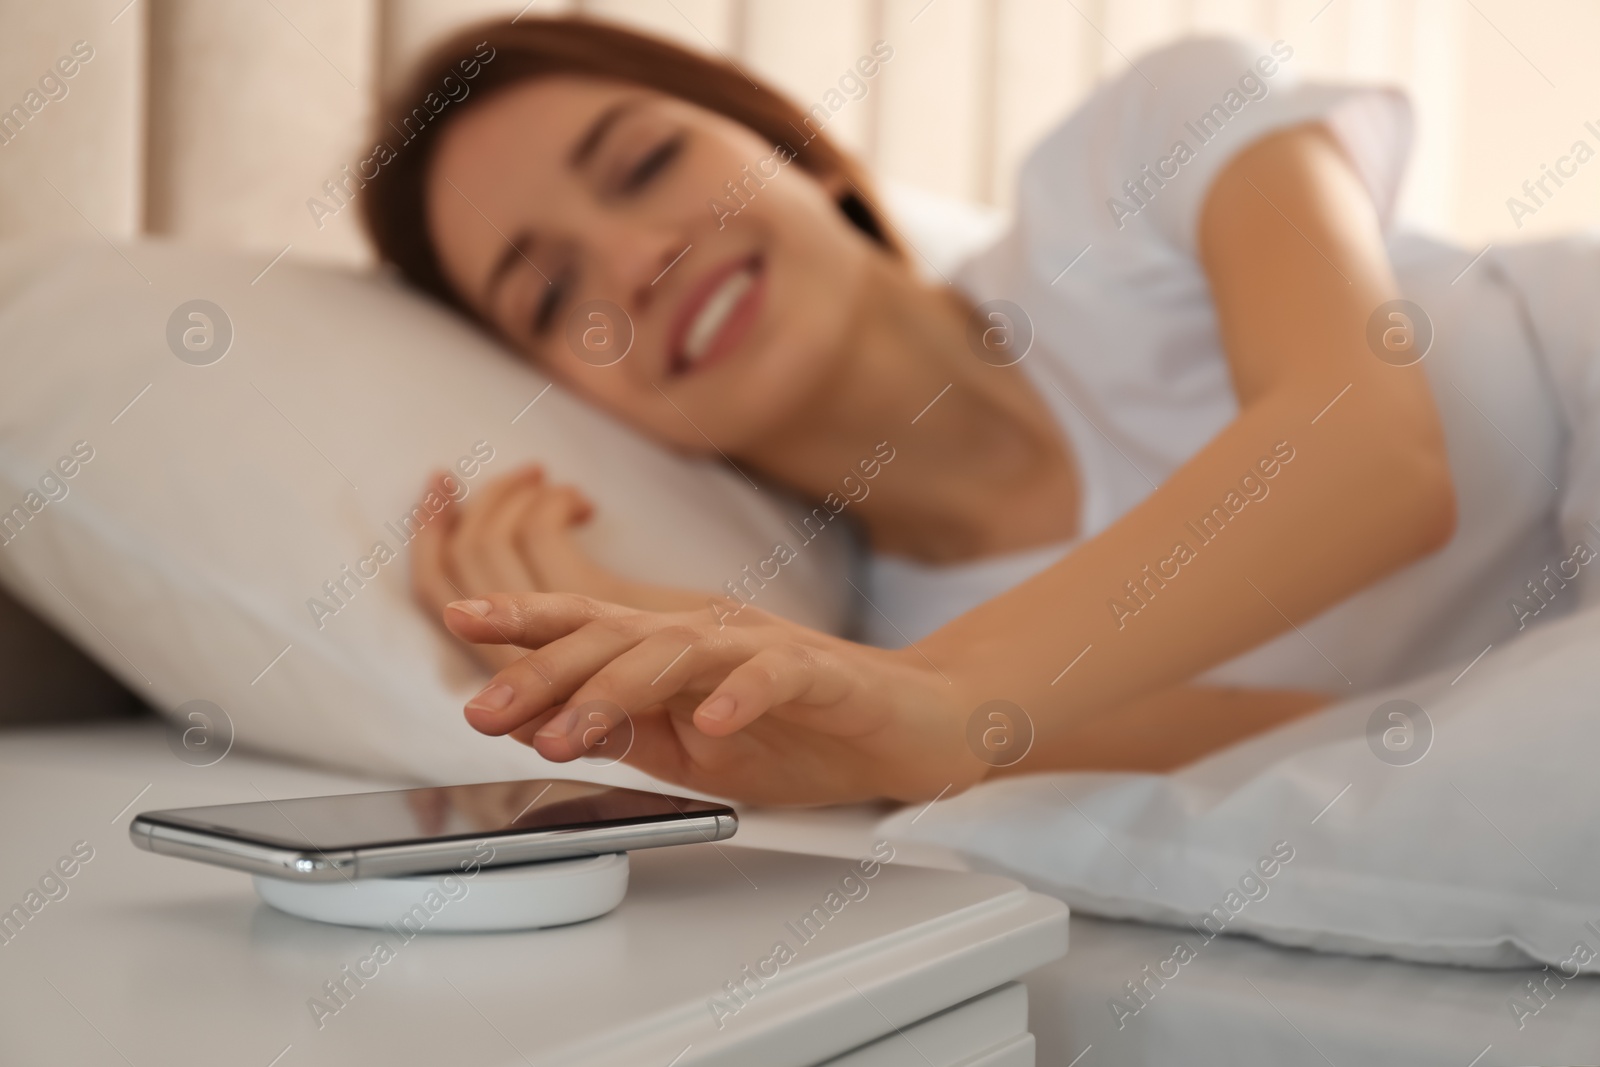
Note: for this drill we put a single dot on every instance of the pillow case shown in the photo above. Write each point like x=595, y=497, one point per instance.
x=1444, y=821
x=233, y=529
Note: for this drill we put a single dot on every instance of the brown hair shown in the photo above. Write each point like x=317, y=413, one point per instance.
x=492, y=56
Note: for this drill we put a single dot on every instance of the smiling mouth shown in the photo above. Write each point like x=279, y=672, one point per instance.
x=717, y=315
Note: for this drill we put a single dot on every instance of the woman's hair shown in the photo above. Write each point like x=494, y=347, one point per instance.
x=474, y=64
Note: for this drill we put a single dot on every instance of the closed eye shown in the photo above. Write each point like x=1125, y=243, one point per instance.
x=544, y=312
x=653, y=163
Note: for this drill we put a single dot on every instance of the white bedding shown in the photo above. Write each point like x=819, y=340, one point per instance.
x=1460, y=832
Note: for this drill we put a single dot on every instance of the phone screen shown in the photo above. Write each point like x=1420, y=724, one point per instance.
x=403, y=816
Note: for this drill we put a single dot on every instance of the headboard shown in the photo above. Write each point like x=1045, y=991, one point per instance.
x=217, y=120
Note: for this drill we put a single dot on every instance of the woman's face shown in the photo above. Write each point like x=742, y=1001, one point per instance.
x=570, y=211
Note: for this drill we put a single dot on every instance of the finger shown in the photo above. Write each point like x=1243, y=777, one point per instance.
x=431, y=581
x=492, y=546
x=496, y=657
x=780, y=674
x=548, y=547
x=531, y=620
x=483, y=546
x=476, y=508
x=434, y=580
x=674, y=661
x=542, y=682
x=658, y=749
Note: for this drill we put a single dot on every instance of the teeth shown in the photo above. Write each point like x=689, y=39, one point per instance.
x=715, y=312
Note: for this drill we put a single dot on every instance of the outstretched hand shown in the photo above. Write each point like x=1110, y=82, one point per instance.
x=742, y=705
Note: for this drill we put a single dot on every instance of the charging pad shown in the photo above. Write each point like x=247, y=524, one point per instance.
x=524, y=897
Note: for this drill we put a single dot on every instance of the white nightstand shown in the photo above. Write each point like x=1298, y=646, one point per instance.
x=153, y=960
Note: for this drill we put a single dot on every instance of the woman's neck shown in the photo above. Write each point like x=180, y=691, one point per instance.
x=980, y=466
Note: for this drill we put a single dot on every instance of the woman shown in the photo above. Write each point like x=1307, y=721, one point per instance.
x=1172, y=443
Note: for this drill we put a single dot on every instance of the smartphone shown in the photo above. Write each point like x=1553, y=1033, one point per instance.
x=404, y=832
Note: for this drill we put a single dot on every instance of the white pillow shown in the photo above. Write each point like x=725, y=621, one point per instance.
x=206, y=506
x=1485, y=851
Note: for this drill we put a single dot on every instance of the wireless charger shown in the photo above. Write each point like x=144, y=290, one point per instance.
x=523, y=897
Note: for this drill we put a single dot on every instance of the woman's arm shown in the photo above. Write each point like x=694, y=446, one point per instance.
x=1293, y=252
x=1169, y=729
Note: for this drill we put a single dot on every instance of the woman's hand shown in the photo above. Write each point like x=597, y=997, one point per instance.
x=515, y=535
x=739, y=704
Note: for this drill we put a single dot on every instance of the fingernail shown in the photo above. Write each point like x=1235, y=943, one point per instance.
x=718, y=709
x=480, y=608
x=496, y=696
x=560, y=726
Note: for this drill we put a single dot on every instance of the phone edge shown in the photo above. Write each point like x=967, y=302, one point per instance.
x=423, y=859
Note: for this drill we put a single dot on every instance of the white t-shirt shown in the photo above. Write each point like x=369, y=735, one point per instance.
x=1128, y=357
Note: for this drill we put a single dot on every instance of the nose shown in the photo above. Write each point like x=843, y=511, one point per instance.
x=633, y=256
